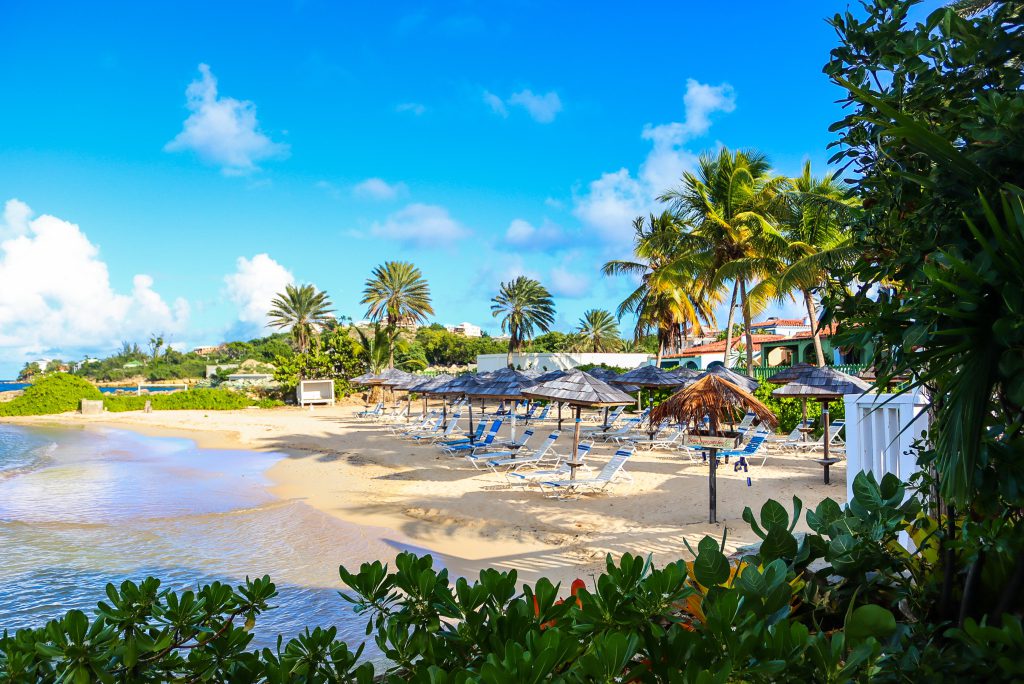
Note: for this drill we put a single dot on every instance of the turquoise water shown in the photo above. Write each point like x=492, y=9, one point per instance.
x=8, y=385
x=80, y=508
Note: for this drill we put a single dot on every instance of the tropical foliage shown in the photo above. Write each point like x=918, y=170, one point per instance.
x=334, y=354
x=597, y=332
x=935, y=137
x=727, y=202
x=397, y=294
x=672, y=298
x=524, y=306
x=200, y=399
x=303, y=310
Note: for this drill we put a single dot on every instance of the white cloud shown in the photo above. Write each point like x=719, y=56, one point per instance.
x=56, y=297
x=16, y=219
x=414, y=108
x=611, y=202
x=543, y=108
x=495, y=103
x=222, y=130
x=379, y=189
x=554, y=203
x=610, y=205
x=253, y=286
x=423, y=225
x=565, y=283
x=524, y=235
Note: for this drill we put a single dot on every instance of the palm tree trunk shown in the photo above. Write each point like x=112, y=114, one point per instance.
x=728, y=326
x=745, y=305
x=511, y=348
x=815, y=333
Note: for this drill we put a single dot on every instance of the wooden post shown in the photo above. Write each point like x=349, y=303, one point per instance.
x=575, y=445
x=825, y=436
x=470, y=402
x=559, y=416
x=712, y=473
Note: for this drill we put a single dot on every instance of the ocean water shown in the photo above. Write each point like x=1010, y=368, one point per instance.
x=8, y=385
x=80, y=508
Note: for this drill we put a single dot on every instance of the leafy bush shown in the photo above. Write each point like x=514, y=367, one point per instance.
x=194, y=399
x=53, y=393
x=267, y=402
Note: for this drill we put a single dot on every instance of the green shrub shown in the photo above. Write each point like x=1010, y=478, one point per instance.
x=267, y=402
x=194, y=399
x=53, y=393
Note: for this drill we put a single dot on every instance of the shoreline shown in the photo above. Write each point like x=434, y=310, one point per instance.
x=356, y=472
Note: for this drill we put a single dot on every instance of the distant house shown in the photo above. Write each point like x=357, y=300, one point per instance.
x=465, y=329
x=700, y=356
x=800, y=347
x=209, y=349
x=787, y=327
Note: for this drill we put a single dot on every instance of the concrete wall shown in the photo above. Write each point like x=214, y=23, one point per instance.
x=547, y=362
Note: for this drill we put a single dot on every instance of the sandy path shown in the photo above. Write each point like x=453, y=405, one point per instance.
x=356, y=471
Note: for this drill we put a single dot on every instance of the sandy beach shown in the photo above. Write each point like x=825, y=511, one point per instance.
x=355, y=470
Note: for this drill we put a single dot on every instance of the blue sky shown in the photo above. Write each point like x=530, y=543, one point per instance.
x=166, y=168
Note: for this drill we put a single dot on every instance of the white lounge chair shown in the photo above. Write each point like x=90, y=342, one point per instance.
x=565, y=487
x=833, y=438
x=561, y=470
x=508, y=459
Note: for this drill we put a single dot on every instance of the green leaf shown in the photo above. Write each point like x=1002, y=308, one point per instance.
x=711, y=567
x=774, y=515
x=870, y=621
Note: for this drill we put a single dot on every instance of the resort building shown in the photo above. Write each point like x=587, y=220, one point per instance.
x=701, y=355
x=556, y=361
x=209, y=349
x=786, y=327
x=465, y=329
x=800, y=347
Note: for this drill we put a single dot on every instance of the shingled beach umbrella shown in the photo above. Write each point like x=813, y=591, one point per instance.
x=501, y=385
x=824, y=384
x=650, y=377
x=427, y=386
x=578, y=389
x=789, y=375
x=554, y=375
x=456, y=387
x=719, y=400
x=406, y=386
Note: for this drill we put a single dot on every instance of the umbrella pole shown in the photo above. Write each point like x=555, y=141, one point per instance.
x=825, y=437
x=470, y=421
x=444, y=412
x=513, y=426
x=575, y=445
x=559, y=416
x=712, y=475
x=803, y=408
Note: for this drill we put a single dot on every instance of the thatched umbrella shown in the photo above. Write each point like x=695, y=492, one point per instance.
x=651, y=377
x=504, y=384
x=824, y=384
x=745, y=381
x=719, y=400
x=366, y=379
x=578, y=389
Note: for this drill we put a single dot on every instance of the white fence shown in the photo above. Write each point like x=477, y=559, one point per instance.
x=876, y=440
x=549, y=362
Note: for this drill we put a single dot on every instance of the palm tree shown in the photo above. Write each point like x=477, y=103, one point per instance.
x=397, y=294
x=672, y=298
x=303, y=309
x=729, y=201
x=525, y=305
x=598, y=332
x=814, y=223
x=375, y=351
